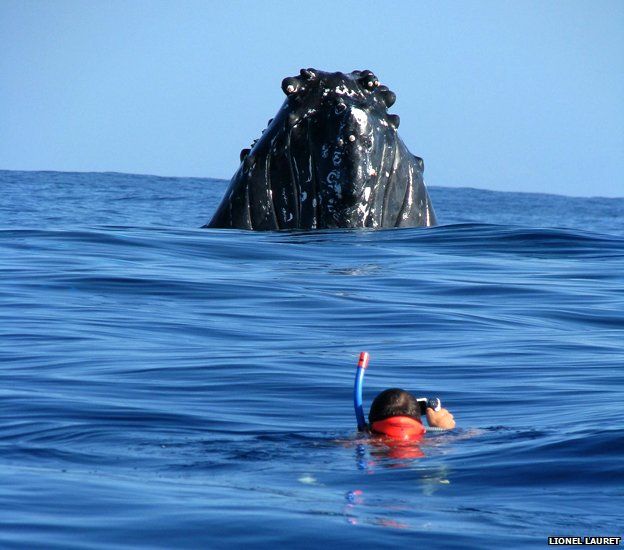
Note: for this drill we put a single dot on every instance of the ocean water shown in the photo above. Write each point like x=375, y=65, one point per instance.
x=166, y=386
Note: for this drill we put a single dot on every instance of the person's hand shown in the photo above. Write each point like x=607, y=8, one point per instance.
x=440, y=419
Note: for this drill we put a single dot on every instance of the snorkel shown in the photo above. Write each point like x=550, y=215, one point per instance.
x=357, y=390
x=395, y=426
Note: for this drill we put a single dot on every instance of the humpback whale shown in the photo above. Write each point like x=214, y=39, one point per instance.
x=330, y=158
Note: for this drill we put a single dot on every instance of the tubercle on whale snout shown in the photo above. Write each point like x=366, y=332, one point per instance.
x=365, y=80
x=363, y=84
x=312, y=91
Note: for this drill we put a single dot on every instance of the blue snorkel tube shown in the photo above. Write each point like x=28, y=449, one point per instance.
x=357, y=390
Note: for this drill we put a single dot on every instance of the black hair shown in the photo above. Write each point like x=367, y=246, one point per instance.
x=393, y=402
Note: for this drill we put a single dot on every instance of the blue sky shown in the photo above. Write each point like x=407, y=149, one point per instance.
x=506, y=95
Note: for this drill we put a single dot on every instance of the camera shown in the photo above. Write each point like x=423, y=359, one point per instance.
x=429, y=403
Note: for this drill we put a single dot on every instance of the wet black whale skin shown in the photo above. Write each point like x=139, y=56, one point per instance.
x=330, y=158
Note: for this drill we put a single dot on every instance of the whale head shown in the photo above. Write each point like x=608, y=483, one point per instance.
x=331, y=157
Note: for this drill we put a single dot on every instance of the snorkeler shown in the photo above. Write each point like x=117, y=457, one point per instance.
x=396, y=413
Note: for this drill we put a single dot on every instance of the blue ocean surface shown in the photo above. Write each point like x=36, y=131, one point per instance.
x=166, y=386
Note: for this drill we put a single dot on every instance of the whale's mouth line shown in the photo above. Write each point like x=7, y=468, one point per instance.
x=296, y=187
x=315, y=198
x=271, y=202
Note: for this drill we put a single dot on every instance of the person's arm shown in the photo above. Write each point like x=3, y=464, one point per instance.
x=440, y=419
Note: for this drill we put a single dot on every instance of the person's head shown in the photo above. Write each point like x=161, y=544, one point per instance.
x=393, y=402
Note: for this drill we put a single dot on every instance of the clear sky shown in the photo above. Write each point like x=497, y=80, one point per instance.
x=514, y=95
